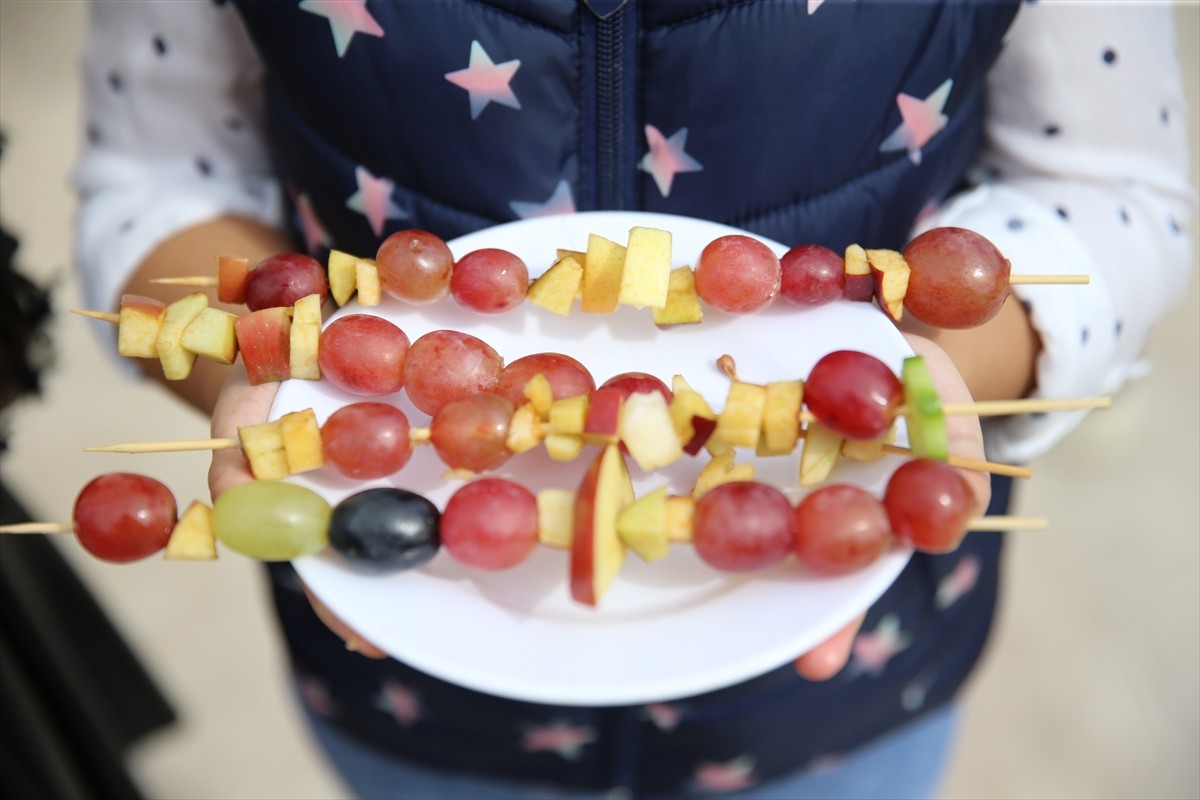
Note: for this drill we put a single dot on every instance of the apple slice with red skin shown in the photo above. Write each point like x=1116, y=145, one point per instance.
x=232, y=274
x=264, y=340
x=603, y=415
x=597, y=551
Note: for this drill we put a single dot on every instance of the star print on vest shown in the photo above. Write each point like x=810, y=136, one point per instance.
x=485, y=81
x=374, y=200
x=400, y=701
x=315, y=235
x=346, y=18
x=667, y=158
x=559, y=737
x=923, y=119
x=958, y=583
x=813, y=5
x=561, y=202
x=873, y=650
x=728, y=776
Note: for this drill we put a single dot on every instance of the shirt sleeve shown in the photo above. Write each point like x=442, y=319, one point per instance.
x=174, y=134
x=1085, y=171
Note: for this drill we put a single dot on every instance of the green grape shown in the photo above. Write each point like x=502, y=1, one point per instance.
x=272, y=520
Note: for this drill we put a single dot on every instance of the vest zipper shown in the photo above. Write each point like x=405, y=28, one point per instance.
x=614, y=64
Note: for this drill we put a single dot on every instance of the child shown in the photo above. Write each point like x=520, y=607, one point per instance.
x=257, y=128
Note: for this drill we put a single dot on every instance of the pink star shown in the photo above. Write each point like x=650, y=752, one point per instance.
x=872, y=651
x=727, y=777
x=315, y=235
x=958, y=582
x=561, y=202
x=346, y=18
x=315, y=695
x=813, y=5
x=374, y=200
x=667, y=157
x=664, y=715
x=400, y=701
x=922, y=120
x=560, y=737
x=485, y=81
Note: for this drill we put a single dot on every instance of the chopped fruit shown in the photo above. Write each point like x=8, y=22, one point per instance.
x=630, y=382
x=740, y=423
x=177, y=361
x=342, y=276
x=563, y=446
x=868, y=449
x=264, y=340
x=490, y=523
x=781, y=417
x=489, y=280
x=272, y=520
x=925, y=419
x=537, y=391
x=123, y=517
x=140, y=319
x=569, y=414
x=562, y=252
x=890, y=273
x=305, y=339
x=854, y=393
x=567, y=377
x=524, y=430
x=688, y=408
x=602, y=275
x=555, y=290
x=232, y=273
x=812, y=275
x=415, y=266
x=840, y=529
x=680, y=513
x=646, y=430
x=301, y=441
x=364, y=355
x=212, y=334
x=645, y=275
x=959, y=279
x=193, y=538
x=603, y=415
x=683, y=302
x=642, y=526
x=859, y=283
x=262, y=445
x=556, y=517
x=366, y=279
x=721, y=469
x=818, y=457
x=928, y=505
x=596, y=550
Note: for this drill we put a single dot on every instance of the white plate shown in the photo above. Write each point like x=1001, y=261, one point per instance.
x=665, y=630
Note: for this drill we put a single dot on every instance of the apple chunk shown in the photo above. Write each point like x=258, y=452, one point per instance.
x=192, y=538
x=177, y=360
x=555, y=290
x=859, y=283
x=138, y=324
x=212, y=335
x=890, y=273
x=683, y=301
x=645, y=275
x=264, y=339
x=304, y=339
x=596, y=549
x=602, y=271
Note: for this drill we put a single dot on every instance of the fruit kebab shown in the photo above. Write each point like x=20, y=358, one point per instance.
x=495, y=523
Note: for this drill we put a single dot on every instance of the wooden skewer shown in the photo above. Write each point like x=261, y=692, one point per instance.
x=1010, y=470
x=166, y=447
x=1008, y=523
x=191, y=280
x=107, y=316
x=1003, y=408
x=39, y=527
x=1048, y=279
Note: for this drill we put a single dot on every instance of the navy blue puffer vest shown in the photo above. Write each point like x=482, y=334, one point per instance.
x=808, y=122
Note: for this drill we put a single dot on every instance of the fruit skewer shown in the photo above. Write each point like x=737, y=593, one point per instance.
x=122, y=517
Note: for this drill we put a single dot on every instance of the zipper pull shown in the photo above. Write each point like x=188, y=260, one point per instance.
x=604, y=8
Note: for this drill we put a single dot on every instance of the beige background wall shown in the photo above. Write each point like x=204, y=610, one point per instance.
x=1091, y=687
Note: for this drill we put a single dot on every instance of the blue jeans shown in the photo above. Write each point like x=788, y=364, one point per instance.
x=907, y=764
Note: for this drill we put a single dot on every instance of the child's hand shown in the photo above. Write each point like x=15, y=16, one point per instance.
x=966, y=439
x=241, y=404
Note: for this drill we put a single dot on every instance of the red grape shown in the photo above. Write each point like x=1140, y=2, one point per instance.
x=449, y=365
x=929, y=505
x=282, y=279
x=742, y=526
x=737, y=274
x=631, y=382
x=366, y=440
x=567, y=377
x=959, y=279
x=840, y=529
x=470, y=433
x=490, y=281
x=811, y=275
x=490, y=523
x=123, y=517
x=854, y=394
x=415, y=266
x=363, y=354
